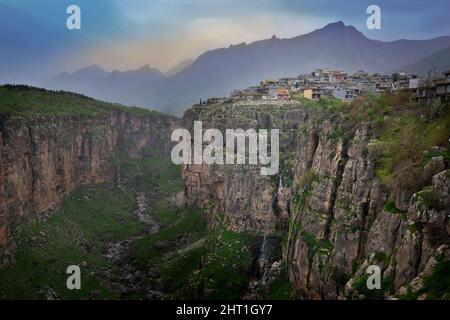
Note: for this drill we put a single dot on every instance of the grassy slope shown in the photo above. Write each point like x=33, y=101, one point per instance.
x=75, y=234
x=71, y=235
x=27, y=101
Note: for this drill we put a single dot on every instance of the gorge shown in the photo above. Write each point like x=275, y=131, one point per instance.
x=341, y=201
x=335, y=213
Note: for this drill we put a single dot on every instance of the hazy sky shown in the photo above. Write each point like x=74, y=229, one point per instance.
x=122, y=34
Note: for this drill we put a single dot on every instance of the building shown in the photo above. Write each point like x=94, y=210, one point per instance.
x=272, y=92
x=403, y=81
x=343, y=86
x=443, y=87
x=345, y=93
x=283, y=94
x=431, y=89
x=426, y=93
x=211, y=101
x=312, y=93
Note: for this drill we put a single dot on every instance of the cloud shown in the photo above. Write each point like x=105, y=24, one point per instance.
x=121, y=34
x=198, y=36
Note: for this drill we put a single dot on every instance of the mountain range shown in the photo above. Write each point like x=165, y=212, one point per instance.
x=218, y=72
x=432, y=65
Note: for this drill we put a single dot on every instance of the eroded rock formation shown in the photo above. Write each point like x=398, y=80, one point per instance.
x=44, y=158
x=331, y=206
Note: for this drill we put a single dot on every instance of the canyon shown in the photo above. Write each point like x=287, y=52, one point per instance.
x=44, y=158
x=327, y=203
x=326, y=216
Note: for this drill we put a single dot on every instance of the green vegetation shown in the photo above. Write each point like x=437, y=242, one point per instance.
x=324, y=105
x=387, y=287
x=218, y=269
x=178, y=273
x=374, y=107
x=391, y=207
x=225, y=267
x=407, y=132
x=381, y=257
x=287, y=173
x=415, y=228
x=338, y=134
x=405, y=144
x=437, y=153
x=176, y=250
x=73, y=234
x=305, y=101
x=153, y=176
x=436, y=286
x=25, y=101
x=151, y=249
x=280, y=289
x=95, y=215
x=183, y=259
x=303, y=191
x=307, y=179
x=428, y=197
x=216, y=266
x=315, y=246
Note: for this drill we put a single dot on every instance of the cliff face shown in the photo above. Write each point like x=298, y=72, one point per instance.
x=250, y=202
x=329, y=205
x=44, y=158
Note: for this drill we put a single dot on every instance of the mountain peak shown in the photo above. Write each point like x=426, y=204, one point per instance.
x=144, y=68
x=92, y=70
x=339, y=28
x=92, y=67
x=338, y=25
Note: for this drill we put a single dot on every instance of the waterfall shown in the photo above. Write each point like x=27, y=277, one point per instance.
x=280, y=183
x=267, y=245
x=263, y=260
x=280, y=187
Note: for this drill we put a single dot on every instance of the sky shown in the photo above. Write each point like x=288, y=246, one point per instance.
x=124, y=34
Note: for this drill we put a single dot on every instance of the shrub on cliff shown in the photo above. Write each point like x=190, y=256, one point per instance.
x=374, y=107
x=404, y=145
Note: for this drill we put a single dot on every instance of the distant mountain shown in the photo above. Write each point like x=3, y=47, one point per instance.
x=437, y=62
x=218, y=72
x=179, y=67
x=81, y=77
x=115, y=86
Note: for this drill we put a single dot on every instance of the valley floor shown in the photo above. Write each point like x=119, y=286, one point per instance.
x=132, y=239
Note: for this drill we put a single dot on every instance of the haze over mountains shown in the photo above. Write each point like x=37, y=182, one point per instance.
x=218, y=72
x=432, y=65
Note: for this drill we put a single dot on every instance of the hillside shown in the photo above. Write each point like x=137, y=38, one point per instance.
x=53, y=142
x=434, y=64
x=26, y=101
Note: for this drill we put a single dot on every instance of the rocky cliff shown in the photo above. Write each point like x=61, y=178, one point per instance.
x=328, y=205
x=45, y=157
